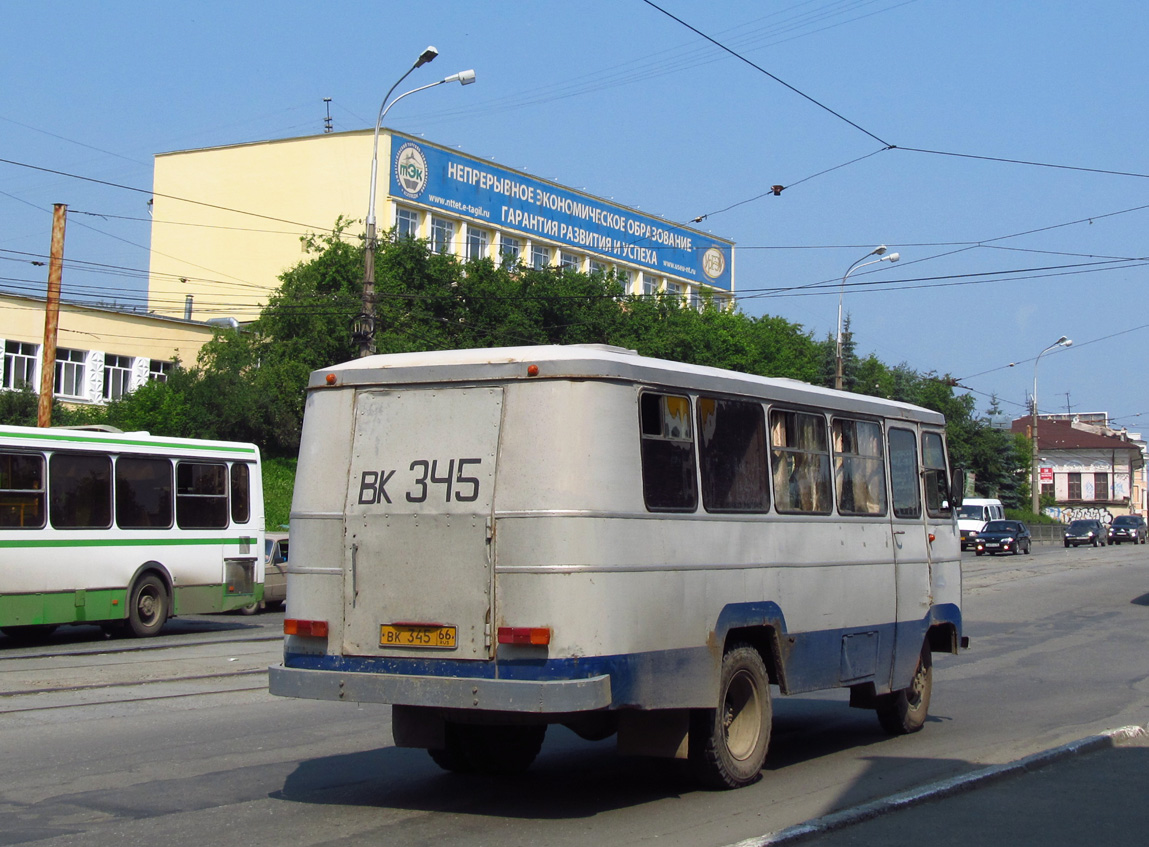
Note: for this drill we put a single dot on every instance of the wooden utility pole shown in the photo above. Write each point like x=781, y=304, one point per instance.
x=52, y=317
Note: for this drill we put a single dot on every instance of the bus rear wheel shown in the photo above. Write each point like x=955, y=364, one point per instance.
x=728, y=745
x=905, y=711
x=148, y=606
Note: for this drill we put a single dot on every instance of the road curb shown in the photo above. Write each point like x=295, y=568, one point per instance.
x=942, y=788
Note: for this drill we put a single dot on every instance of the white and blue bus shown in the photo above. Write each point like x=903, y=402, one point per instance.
x=498, y=540
x=125, y=529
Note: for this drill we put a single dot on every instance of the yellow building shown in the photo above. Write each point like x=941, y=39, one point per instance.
x=227, y=221
x=101, y=353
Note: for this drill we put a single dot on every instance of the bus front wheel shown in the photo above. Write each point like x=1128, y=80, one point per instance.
x=905, y=711
x=148, y=606
x=728, y=744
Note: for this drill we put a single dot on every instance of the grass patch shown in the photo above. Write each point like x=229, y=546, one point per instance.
x=278, y=482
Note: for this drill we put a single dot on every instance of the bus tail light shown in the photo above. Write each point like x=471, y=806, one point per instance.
x=315, y=629
x=539, y=636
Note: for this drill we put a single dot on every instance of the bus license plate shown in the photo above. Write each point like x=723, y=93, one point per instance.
x=409, y=635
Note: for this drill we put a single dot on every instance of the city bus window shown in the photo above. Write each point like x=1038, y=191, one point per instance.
x=904, y=474
x=936, y=479
x=201, y=495
x=240, y=493
x=732, y=456
x=80, y=491
x=668, y=478
x=859, y=467
x=143, y=493
x=801, y=462
x=21, y=490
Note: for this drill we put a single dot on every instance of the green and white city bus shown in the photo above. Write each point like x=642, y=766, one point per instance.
x=125, y=529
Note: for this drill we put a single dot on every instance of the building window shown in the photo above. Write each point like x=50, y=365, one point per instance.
x=569, y=261
x=406, y=223
x=1101, y=486
x=674, y=289
x=695, y=300
x=597, y=267
x=477, y=243
x=649, y=284
x=19, y=364
x=510, y=249
x=1074, y=486
x=1047, y=489
x=540, y=256
x=69, y=373
x=442, y=234
x=158, y=370
x=117, y=376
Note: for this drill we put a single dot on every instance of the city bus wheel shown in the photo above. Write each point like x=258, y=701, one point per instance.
x=147, y=607
x=904, y=711
x=452, y=757
x=728, y=744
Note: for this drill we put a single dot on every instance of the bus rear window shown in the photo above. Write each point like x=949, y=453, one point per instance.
x=668, y=477
x=240, y=493
x=21, y=491
x=201, y=495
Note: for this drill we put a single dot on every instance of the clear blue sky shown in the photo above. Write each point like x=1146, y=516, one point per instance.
x=999, y=259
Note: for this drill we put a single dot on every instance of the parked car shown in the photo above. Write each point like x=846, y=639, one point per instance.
x=274, y=573
x=1085, y=531
x=1128, y=528
x=1004, y=537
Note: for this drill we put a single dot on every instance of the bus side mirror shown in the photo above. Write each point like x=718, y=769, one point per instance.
x=957, y=488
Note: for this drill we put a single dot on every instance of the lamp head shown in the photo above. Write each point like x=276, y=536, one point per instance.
x=879, y=250
x=426, y=56
x=462, y=77
x=1064, y=342
x=893, y=257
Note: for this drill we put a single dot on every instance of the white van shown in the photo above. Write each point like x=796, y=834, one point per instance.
x=973, y=515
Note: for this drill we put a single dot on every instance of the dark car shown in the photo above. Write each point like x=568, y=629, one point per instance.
x=1004, y=537
x=1085, y=531
x=1128, y=528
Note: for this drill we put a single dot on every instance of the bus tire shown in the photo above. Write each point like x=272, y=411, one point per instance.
x=728, y=745
x=148, y=606
x=904, y=711
x=452, y=757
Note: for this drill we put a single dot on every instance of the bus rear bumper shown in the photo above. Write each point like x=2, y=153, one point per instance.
x=499, y=695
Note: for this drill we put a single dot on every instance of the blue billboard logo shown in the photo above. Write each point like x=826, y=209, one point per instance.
x=411, y=170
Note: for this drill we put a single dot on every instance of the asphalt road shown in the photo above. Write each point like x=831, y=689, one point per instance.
x=174, y=740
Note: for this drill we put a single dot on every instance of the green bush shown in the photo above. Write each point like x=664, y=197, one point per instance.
x=278, y=481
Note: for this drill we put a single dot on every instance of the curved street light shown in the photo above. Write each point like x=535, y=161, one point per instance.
x=364, y=326
x=1033, y=481
x=880, y=250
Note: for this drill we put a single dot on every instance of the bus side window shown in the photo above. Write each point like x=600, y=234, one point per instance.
x=21, y=490
x=904, y=474
x=143, y=493
x=859, y=467
x=732, y=456
x=201, y=495
x=801, y=456
x=936, y=479
x=240, y=493
x=80, y=491
x=668, y=477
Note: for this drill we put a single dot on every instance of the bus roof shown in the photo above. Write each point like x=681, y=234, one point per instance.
x=596, y=361
x=125, y=442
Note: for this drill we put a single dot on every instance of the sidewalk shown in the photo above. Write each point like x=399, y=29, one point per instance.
x=1095, y=791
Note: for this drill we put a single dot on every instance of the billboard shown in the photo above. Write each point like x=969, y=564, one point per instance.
x=514, y=202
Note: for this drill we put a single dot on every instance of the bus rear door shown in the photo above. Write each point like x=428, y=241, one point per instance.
x=417, y=532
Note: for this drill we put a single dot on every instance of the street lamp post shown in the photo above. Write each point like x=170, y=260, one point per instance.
x=880, y=250
x=1033, y=473
x=364, y=326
